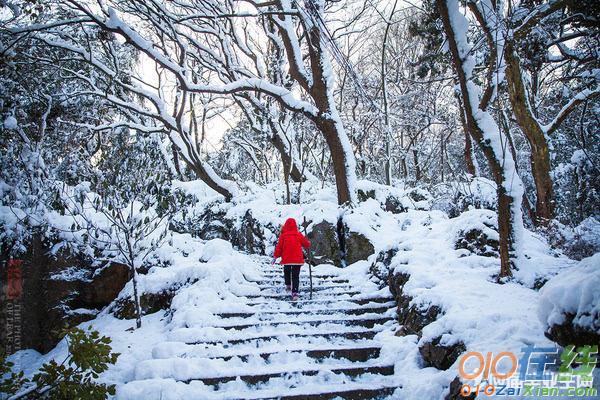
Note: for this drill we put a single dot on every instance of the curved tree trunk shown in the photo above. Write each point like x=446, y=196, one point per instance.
x=208, y=176
x=502, y=165
x=540, y=154
x=328, y=120
x=203, y=171
x=288, y=162
x=343, y=167
x=468, y=152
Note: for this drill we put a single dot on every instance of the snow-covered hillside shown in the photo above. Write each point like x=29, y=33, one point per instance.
x=227, y=314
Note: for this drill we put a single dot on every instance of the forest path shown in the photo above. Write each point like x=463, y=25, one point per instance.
x=319, y=348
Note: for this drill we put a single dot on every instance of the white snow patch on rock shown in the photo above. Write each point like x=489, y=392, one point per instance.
x=574, y=291
x=10, y=123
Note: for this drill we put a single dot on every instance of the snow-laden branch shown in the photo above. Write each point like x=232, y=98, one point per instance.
x=536, y=15
x=568, y=108
x=115, y=24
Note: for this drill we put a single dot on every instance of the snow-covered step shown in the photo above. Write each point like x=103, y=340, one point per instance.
x=281, y=288
x=259, y=339
x=337, y=294
x=367, y=320
x=353, y=354
x=372, y=392
x=270, y=345
x=347, y=372
x=303, y=274
x=363, y=322
x=303, y=280
x=271, y=313
x=304, y=301
x=370, y=387
x=275, y=364
x=349, y=350
x=220, y=334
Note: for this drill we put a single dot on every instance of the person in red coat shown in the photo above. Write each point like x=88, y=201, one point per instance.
x=289, y=248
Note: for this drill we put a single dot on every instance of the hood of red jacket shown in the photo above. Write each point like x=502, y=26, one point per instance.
x=289, y=226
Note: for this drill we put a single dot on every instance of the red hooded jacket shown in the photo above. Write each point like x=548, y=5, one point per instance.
x=291, y=241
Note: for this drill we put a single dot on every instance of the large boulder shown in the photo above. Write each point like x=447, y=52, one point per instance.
x=104, y=286
x=412, y=317
x=357, y=247
x=214, y=225
x=440, y=356
x=569, y=304
x=454, y=392
x=394, y=205
x=477, y=242
x=150, y=303
x=380, y=268
x=61, y=289
x=365, y=194
x=570, y=333
x=248, y=235
x=325, y=244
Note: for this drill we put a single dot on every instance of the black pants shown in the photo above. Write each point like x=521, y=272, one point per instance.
x=291, y=275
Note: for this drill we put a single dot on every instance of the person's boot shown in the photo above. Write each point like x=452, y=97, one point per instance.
x=294, y=296
x=288, y=288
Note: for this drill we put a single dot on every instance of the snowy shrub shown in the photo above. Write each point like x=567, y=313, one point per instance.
x=477, y=232
x=458, y=196
x=394, y=199
x=576, y=242
x=216, y=248
x=577, y=182
x=74, y=378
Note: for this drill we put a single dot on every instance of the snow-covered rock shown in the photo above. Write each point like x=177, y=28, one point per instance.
x=215, y=248
x=570, y=304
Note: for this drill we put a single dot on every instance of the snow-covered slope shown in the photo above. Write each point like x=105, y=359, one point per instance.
x=230, y=332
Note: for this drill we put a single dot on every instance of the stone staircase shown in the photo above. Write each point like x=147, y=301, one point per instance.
x=319, y=348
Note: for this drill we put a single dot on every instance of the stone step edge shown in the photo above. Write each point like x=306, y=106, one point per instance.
x=318, y=311
x=318, y=353
x=273, y=348
x=349, y=394
x=326, y=300
x=307, y=287
x=358, y=334
x=304, y=293
x=383, y=370
x=340, y=321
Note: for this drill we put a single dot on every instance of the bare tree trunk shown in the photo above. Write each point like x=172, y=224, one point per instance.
x=136, y=298
x=540, y=154
x=176, y=161
x=339, y=159
x=504, y=122
x=468, y=143
x=295, y=172
x=442, y=141
x=388, y=152
x=329, y=122
x=417, y=167
x=497, y=162
x=403, y=165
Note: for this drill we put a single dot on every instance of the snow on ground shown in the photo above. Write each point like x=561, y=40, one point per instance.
x=476, y=311
x=212, y=277
x=218, y=281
